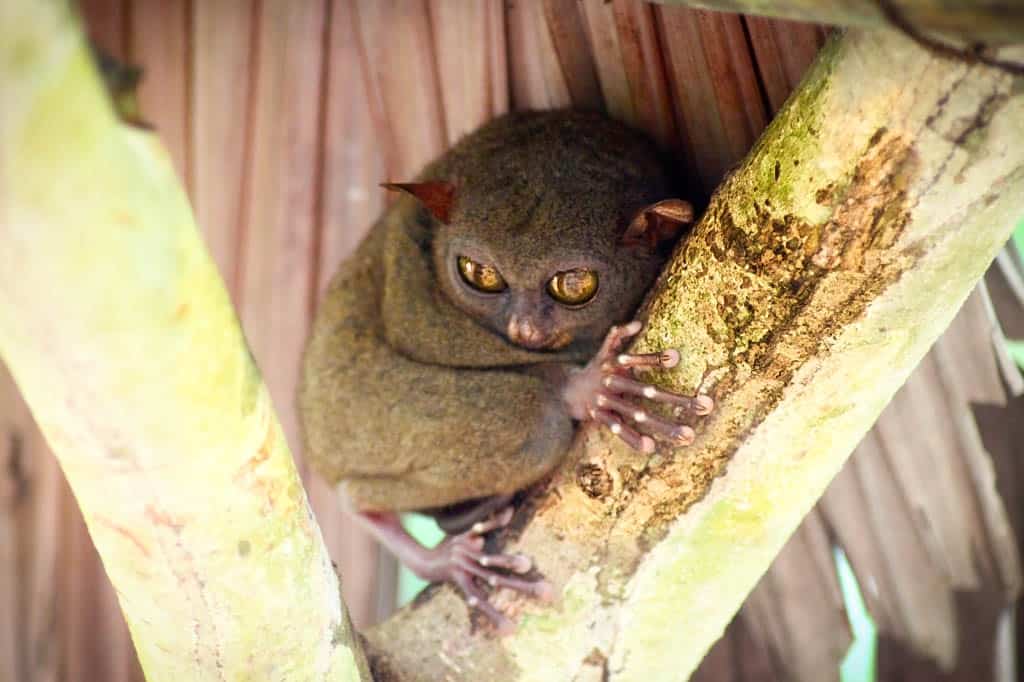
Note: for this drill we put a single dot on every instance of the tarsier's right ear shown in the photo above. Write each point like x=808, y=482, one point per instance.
x=437, y=196
x=658, y=223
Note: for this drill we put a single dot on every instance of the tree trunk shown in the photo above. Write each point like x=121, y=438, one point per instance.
x=975, y=21
x=118, y=330
x=823, y=269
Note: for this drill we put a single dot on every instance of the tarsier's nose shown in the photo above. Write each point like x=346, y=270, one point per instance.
x=523, y=332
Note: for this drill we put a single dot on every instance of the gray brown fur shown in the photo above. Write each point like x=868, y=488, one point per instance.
x=411, y=394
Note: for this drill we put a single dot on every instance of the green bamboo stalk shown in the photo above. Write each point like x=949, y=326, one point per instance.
x=119, y=332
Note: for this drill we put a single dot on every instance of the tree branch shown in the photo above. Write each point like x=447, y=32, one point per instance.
x=973, y=21
x=824, y=268
x=121, y=336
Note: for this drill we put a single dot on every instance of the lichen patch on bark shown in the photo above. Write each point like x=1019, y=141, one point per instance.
x=767, y=289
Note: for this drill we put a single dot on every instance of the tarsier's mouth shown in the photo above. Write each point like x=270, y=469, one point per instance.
x=524, y=332
x=556, y=342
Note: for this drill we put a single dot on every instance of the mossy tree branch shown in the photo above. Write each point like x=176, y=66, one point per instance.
x=119, y=332
x=824, y=268
x=973, y=21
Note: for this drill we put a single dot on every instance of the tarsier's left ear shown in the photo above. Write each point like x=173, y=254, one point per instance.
x=437, y=196
x=657, y=223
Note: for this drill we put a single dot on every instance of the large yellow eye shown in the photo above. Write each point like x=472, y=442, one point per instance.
x=481, y=277
x=573, y=287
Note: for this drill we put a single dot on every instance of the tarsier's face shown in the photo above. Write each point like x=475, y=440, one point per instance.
x=536, y=322
x=545, y=282
x=542, y=304
x=548, y=229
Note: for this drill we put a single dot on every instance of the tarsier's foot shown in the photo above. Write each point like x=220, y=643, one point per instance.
x=466, y=562
x=605, y=390
x=462, y=560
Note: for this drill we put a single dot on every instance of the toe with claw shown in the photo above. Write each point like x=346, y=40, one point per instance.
x=470, y=565
x=463, y=560
x=606, y=391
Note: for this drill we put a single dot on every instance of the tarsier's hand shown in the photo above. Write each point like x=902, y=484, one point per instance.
x=606, y=391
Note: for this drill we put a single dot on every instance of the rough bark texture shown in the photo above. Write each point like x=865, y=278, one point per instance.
x=987, y=21
x=926, y=510
x=119, y=331
x=823, y=269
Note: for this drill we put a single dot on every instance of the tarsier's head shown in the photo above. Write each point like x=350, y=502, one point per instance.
x=549, y=227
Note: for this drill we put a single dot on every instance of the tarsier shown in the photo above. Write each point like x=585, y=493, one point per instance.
x=458, y=347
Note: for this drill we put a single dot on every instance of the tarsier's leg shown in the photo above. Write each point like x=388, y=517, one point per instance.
x=456, y=518
x=602, y=392
x=462, y=560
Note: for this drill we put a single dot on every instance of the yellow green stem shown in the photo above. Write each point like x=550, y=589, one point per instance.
x=119, y=332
